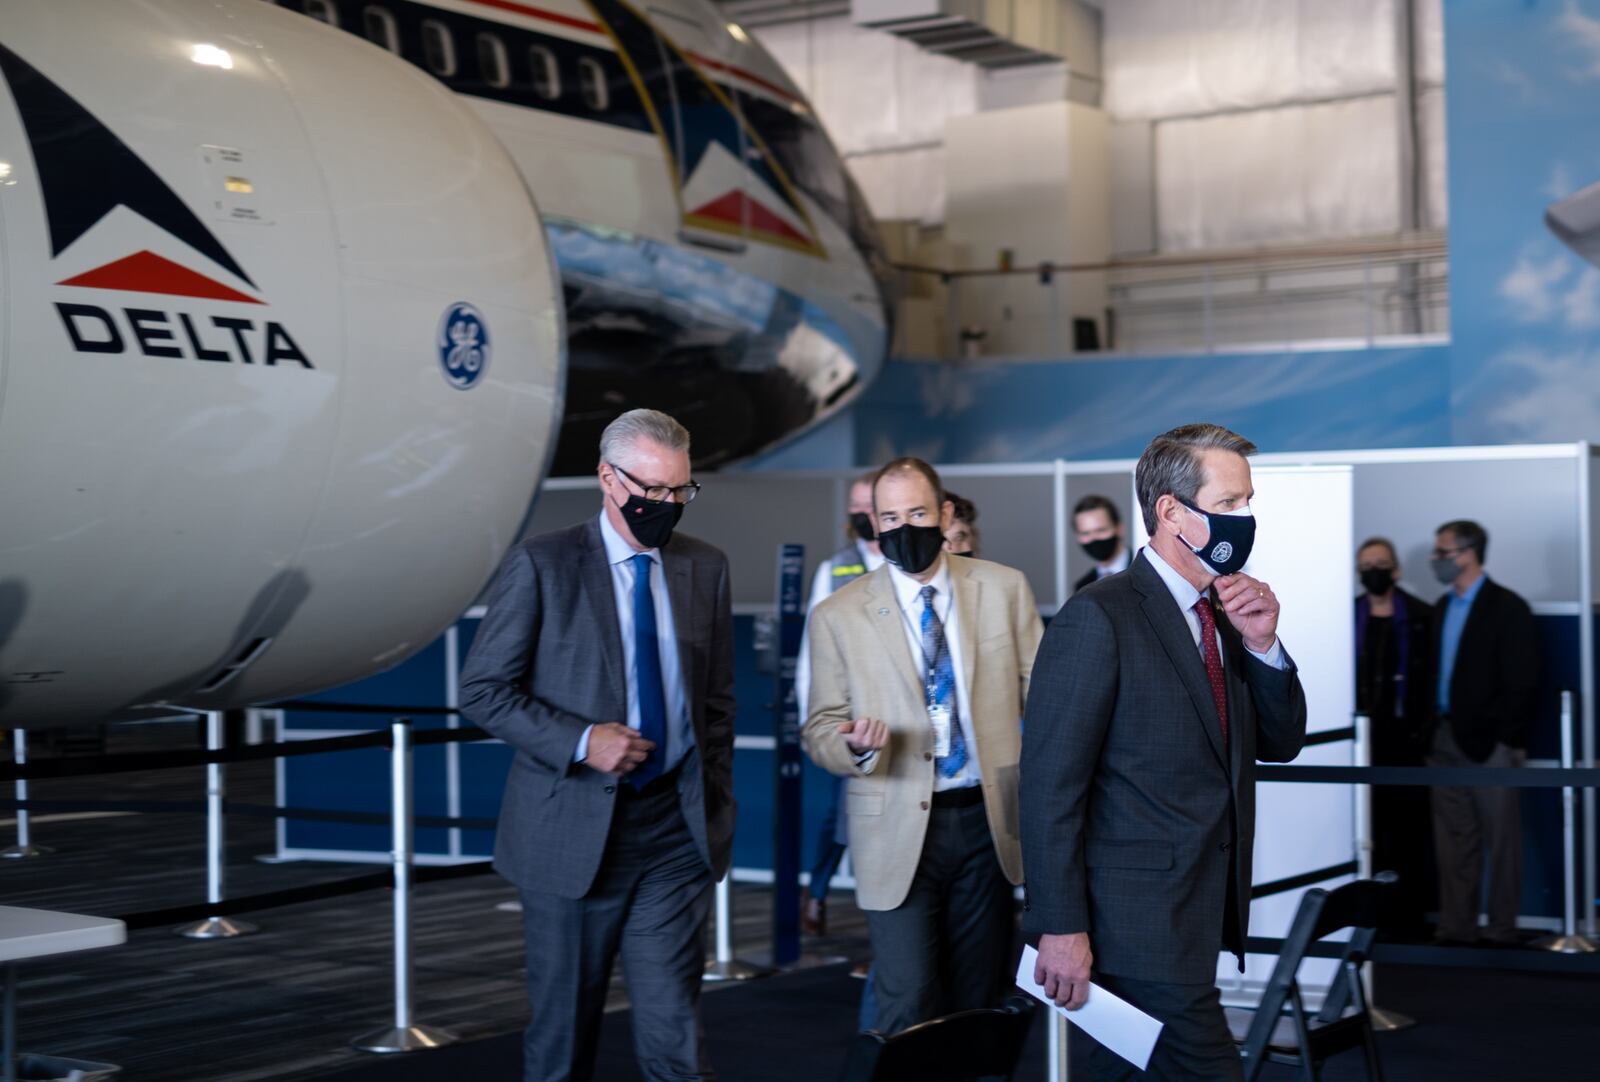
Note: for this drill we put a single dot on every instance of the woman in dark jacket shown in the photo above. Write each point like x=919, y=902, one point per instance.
x=1392, y=689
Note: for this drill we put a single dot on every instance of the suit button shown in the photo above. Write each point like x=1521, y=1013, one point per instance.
x=924, y=805
x=1224, y=847
x=927, y=756
x=611, y=788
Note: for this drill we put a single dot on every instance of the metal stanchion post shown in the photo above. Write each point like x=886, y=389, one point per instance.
x=1569, y=941
x=215, y=927
x=1383, y=1021
x=24, y=847
x=1057, y=1067
x=725, y=967
x=404, y=1035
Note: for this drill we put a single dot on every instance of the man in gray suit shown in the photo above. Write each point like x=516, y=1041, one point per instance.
x=1154, y=693
x=606, y=661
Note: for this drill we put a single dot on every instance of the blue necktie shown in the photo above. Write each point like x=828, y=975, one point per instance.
x=647, y=673
x=939, y=683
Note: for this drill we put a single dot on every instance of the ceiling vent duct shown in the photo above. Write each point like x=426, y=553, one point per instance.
x=993, y=33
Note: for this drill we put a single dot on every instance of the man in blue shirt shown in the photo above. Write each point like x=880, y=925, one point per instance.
x=1485, y=654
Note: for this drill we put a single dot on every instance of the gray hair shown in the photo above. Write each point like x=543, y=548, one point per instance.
x=1172, y=464
x=622, y=435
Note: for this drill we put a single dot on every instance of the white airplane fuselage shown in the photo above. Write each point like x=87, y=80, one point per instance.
x=280, y=357
x=284, y=334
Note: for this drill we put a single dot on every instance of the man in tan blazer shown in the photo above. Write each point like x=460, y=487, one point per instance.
x=918, y=676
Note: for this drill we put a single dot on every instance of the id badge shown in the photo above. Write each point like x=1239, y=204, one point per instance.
x=939, y=715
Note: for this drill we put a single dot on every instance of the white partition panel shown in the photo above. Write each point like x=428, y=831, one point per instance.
x=1304, y=517
x=1526, y=505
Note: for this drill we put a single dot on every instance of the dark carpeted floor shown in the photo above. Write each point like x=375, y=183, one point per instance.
x=1475, y=1027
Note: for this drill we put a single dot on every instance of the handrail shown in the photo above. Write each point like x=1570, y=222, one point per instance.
x=1417, y=246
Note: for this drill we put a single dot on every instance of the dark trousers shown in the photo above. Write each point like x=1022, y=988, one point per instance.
x=1472, y=828
x=946, y=946
x=648, y=904
x=1195, y=1045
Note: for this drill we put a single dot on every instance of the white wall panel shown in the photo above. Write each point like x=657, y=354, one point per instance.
x=1182, y=57
x=884, y=102
x=1276, y=175
x=1434, y=158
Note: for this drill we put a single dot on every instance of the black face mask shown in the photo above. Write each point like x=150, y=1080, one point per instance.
x=912, y=548
x=651, y=521
x=861, y=523
x=1377, y=581
x=1102, y=550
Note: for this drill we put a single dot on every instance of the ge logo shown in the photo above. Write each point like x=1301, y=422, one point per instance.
x=1222, y=553
x=463, y=343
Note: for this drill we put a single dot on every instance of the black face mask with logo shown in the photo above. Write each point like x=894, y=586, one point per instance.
x=652, y=521
x=861, y=524
x=912, y=548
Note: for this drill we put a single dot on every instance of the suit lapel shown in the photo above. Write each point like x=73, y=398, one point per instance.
x=1233, y=679
x=680, y=591
x=602, y=599
x=1172, y=629
x=882, y=611
x=966, y=590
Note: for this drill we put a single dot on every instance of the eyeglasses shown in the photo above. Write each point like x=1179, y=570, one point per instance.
x=662, y=493
x=1445, y=554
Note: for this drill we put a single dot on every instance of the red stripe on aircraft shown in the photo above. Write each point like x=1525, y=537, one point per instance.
x=539, y=13
x=734, y=207
x=146, y=272
x=747, y=76
x=595, y=28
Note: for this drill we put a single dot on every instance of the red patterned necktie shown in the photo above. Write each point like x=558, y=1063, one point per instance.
x=1208, y=638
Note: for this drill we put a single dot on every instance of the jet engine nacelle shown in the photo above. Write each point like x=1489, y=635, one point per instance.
x=281, y=356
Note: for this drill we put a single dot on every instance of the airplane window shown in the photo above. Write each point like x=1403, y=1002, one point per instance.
x=492, y=62
x=321, y=10
x=380, y=28
x=592, y=81
x=546, y=75
x=438, y=48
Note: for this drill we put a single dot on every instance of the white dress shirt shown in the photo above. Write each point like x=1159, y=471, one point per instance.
x=680, y=730
x=1184, y=593
x=908, y=595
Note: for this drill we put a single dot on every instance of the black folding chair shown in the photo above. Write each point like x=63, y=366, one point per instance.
x=970, y=1044
x=1282, y=1031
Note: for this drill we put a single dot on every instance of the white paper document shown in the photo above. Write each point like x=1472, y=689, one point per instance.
x=1115, y=1023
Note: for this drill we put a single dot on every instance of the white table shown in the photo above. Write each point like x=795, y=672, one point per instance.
x=41, y=933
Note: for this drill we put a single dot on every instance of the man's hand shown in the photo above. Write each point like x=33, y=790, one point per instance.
x=1252, y=608
x=616, y=749
x=865, y=734
x=1063, y=968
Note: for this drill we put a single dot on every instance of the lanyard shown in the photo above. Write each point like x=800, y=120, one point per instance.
x=935, y=691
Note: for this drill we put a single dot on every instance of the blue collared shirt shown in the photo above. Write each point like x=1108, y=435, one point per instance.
x=1184, y=593
x=680, y=730
x=1455, y=622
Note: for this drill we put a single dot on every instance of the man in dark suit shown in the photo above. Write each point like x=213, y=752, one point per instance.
x=1154, y=693
x=1102, y=536
x=606, y=661
x=1486, y=657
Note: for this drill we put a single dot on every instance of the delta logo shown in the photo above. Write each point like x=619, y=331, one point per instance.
x=85, y=173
